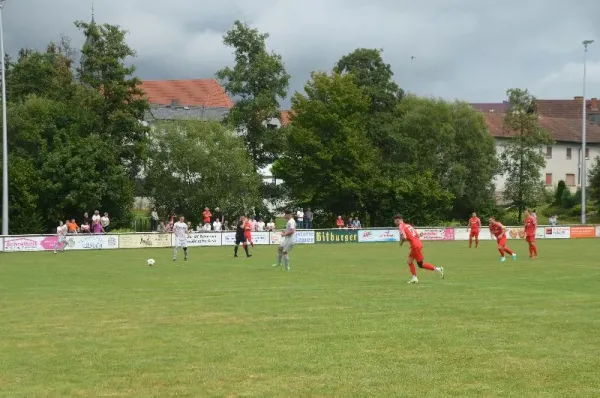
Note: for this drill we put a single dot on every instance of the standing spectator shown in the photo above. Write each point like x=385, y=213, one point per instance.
x=260, y=225
x=206, y=216
x=85, y=227
x=253, y=225
x=300, y=218
x=218, y=215
x=339, y=222
x=553, y=220
x=105, y=221
x=308, y=218
x=161, y=227
x=356, y=223
x=225, y=225
x=169, y=226
x=154, y=220
x=189, y=226
x=271, y=225
x=171, y=219
x=96, y=217
x=86, y=219
x=217, y=226
x=97, y=227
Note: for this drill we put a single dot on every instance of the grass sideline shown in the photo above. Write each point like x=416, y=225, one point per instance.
x=342, y=323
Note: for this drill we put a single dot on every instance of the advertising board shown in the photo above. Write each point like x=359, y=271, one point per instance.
x=92, y=242
x=259, y=238
x=1, y=244
x=301, y=237
x=378, y=235
x=436, y=233
x=337, y=236
x=204, y=239
x=558, y=232
x=597, y=231
x=137, y=241
x=583, y=232
x=29, y=243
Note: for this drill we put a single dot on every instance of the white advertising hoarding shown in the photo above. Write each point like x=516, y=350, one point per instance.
x=558, y=232
x=137, y=241
x=1, y=244
x=300, y=237
x=203, y=239
x=29, y=243
x=378, y=235
x=93, y=242
x=259, y=238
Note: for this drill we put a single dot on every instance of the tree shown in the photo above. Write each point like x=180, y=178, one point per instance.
x=120, y=103
x=594, y=181
x=560, y=188
x=521, y=157
x=195, y=164
x=328, y=161
x=257, y=82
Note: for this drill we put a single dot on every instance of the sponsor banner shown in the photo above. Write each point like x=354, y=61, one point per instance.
x=583, y=232
x=259, y=238
x=515, y=232
x=29, y=243
x=378, y=235
x=302, y=237
x=1, y=244
x=597, y=231
x=337, y=236
x=136, y=241
x=92, y=242
x=463, y=234
x=436, y=233
x=540, y=232
x=203, y=239
x=558, y=232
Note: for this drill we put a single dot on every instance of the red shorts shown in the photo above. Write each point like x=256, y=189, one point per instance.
x=474, y=234
x=530, y=238
x=416, y=253
x=502, y=241
x=248, y=236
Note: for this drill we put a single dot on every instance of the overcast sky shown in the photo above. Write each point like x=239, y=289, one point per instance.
x=468, y=49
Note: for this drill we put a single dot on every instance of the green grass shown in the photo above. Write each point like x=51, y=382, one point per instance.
x=342, y=323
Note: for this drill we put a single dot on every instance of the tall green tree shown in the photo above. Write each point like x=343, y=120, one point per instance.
x=594, y=181
x=120, y=103
x=195, y=164
x=521, y=157
x=257, y=82
x=328, y=160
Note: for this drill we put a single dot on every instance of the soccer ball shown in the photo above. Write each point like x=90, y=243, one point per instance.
x=150, y=261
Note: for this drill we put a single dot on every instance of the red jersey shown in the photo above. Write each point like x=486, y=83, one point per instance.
x=207, y=215
x=247, y=227
x=474, y=223
x=530, y=226
x=497, y=230
x=411, y=235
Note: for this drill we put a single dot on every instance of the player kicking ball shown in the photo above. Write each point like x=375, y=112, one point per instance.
x=408, y=233
x=288, y=241
x=499, y=231
x=180, y=230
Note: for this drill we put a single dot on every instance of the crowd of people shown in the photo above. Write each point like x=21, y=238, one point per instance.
x=96, y=224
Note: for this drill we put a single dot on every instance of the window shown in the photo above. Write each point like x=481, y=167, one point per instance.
x=568, y=153
x=548, y=178
x=548, y=152
x=587, y=153
x=570, y=180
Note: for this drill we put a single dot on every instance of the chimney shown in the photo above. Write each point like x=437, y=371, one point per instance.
x=578, y=98
x=594, y=104
x=174, y=103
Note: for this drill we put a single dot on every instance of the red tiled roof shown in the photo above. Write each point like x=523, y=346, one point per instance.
x=561, y=129
x=567, y=108
x=285, y=118
x=196, y=92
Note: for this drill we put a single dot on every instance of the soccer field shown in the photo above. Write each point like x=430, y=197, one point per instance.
x=343, y=322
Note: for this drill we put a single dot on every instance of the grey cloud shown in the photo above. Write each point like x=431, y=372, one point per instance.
x=467, y=49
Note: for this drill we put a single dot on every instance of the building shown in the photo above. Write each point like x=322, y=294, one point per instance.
x=562, y=119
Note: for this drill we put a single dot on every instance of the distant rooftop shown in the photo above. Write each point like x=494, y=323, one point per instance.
x=206, y=93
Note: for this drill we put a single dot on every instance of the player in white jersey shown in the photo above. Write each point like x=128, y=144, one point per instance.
x=181, y=230
x=288, y=241
x=61, y=233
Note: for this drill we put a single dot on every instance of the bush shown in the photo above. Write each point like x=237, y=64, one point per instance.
x=559, y=192
x=121, y=231
x=566, y=199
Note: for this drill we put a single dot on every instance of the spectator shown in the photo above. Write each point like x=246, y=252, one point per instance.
x=105, y=221
x=253, y=224
x=356, y=223
x=299, y=219
x=190, y=227
x=97, y=227
x=349, y=224
x=271, y=225
x=161, y=227
x=206, y=227
x=169, y=226
x=339, y=222
x=225, y=225
x=308, y=218
x=218, y=215
x=217, y=225
x=85, y=227
x=154, y=220
x=534, y=215
x=206, y=216
x=553, y=220
x=96, y=217
x=72, y=227
x=171, y=219
x=260, y=225
x=86, y=219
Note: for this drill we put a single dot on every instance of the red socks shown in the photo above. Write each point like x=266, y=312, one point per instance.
x=413, y=269
x=428, y=266
x=508, y=251
x=532, y=250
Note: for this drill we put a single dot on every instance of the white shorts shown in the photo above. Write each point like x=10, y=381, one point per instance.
x=286, y=246
x=181, y=242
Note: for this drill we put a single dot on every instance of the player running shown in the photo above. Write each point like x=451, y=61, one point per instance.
x=248, y=231
x=530, y=228
x=408, y=233
x=288, y=241
x=180, y=229
x=499, y=231
x=241, y=237
x=474, y=228
x=61, y=233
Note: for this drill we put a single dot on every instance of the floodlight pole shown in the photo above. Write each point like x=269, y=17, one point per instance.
x=586, y=43
x=4, y=134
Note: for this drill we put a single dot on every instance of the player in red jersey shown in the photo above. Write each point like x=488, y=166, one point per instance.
x=499, y=231
x=530, y=228
x=248, y=231
x=474, y=227
x=408, y=233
